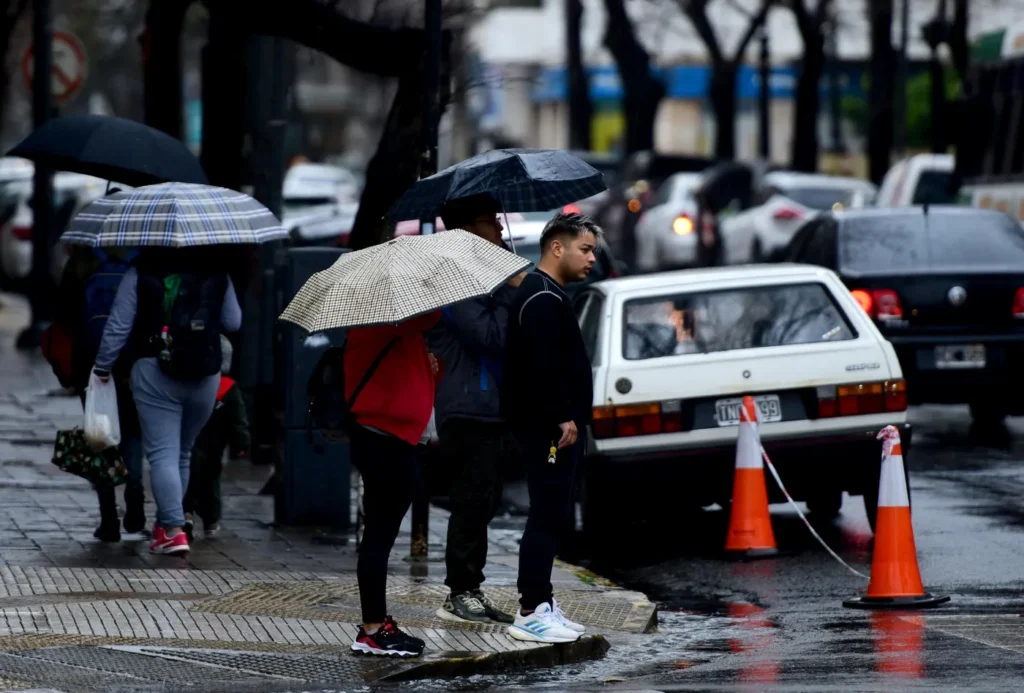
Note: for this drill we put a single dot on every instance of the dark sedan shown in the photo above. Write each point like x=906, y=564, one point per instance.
x=945, y=286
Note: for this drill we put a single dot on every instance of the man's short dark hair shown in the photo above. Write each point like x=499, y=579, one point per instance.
x=458, y=213
x=565, y=226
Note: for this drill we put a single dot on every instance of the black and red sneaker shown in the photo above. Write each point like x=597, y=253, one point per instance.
x=388, y=641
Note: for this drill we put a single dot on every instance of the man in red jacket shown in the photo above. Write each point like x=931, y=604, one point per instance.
x=392, y=412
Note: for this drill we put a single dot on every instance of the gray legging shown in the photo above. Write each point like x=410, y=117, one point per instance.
x=171, y=414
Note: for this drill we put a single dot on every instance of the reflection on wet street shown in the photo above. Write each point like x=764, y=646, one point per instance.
x=779, y=624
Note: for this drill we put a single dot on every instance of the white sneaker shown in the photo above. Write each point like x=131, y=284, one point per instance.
x=543, y=625
x=571, y=625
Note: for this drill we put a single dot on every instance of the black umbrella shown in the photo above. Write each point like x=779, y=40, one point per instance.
x=522, y=180
x=723, y=183
x=111, y=148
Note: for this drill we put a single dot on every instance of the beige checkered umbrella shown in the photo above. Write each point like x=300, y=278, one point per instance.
x=400, y=279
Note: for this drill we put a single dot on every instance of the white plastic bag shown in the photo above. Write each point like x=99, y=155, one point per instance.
x=102, y=426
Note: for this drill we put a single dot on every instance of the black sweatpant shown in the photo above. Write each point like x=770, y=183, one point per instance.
x=551, y=490
x=389, y=467
x=476, y=453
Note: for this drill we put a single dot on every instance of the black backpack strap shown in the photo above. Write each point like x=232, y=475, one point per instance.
x=370, y=371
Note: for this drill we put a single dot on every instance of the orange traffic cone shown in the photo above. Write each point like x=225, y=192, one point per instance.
x=895, y=576
x=750, y=525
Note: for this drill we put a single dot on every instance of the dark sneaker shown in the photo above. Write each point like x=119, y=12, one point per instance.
x=190, y=528
x=388, y=641
x=109, y=532
x=491, y=609
x=463, y=607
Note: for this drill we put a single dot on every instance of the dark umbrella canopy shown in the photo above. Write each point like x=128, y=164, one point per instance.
x=111, y=148
x=522, y=180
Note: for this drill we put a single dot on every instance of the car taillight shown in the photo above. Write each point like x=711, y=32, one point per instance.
x=637, y=419
x=571, y=209
x=880, y=304
x=787, y=214
x=864, y=398
x=22, y=233
x=1018, y=304
x=682, y=225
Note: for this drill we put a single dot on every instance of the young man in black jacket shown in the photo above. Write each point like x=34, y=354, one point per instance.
x=547, y=399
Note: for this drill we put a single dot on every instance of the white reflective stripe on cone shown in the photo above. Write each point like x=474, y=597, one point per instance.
x=748, y=448
x=892, y=484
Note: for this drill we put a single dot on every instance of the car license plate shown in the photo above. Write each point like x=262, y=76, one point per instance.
x=960, y=356
x=769, y=410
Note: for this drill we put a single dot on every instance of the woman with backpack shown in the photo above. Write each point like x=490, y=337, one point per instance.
x=169, y=313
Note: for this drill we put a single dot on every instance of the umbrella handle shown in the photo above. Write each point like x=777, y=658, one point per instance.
x=508, y=228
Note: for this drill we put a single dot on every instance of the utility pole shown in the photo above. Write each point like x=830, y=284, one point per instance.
x=834, y=95
x=42, y=195
x=900, y=101
x=579, y=88
x=428, y=167
x=764, y=97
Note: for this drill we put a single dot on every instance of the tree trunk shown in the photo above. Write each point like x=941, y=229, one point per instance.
x=395, y=165
x=161, y=61
x=722, y=93
x=805, y=116
x=958, y=44
x=579, y=87
x=224, y=93
x=883, y=66
x=642, y=92
x=10, y=15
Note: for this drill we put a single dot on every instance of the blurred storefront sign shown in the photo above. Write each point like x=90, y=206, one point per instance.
x=687, y=82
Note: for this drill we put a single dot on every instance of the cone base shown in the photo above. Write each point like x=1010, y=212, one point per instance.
x=750, y=554
x=924, y=601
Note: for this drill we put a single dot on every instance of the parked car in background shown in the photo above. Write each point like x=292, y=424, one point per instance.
x=665, y=237
x=922, y=179
x=641, y=176
x=673, y=355
x=71, y=193
x=781, y=203
x=945, y=285
x=319, y=203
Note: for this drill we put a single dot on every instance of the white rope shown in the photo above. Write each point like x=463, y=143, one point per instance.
x=771, y=468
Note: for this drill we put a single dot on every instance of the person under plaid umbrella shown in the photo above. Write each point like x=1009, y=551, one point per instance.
x=169, y=312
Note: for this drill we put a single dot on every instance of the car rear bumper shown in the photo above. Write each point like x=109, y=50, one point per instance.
x=1004, y=366
x=848, y=461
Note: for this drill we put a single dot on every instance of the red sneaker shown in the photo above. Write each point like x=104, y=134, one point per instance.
x=164, y=544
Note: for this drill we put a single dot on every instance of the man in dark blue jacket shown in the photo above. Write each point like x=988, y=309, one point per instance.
x=476, y=443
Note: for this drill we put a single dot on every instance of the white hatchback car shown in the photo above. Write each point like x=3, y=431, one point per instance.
x=665, y=233
x=781, y=204
x=674, y=353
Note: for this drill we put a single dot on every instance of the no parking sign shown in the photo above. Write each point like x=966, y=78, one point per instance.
x=69, y=67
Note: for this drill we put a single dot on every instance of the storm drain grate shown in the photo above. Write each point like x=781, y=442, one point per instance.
x=130, y=665
x=306, y=668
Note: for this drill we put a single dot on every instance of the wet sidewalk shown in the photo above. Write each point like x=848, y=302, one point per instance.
x=257, y=608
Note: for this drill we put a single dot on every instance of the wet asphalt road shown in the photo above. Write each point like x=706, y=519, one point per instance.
x=779, y=624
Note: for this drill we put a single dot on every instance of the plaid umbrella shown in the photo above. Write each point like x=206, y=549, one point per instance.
x=400, y=279
x=174, y=215
x=522, y=180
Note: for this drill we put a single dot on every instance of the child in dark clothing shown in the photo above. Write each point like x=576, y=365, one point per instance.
x=228, y=427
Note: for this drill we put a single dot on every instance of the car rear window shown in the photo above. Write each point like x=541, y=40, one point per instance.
x=820, y=198
x=934, y=188
x=747, y=318
x=879, y=244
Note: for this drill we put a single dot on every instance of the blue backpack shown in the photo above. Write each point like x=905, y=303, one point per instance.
x=100, y=290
